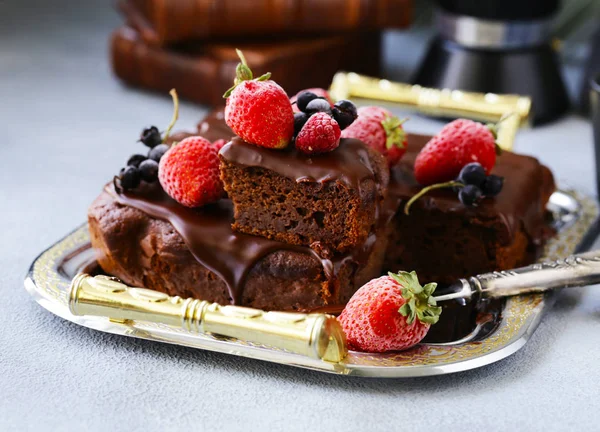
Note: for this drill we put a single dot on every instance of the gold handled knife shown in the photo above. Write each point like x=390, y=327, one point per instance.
x=314, y=335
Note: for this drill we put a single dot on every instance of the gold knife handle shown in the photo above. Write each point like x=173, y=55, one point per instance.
x=318, y=336
x=436, y=102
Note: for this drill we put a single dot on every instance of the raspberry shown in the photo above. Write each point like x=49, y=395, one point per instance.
x=320, y=134
x=189, y=172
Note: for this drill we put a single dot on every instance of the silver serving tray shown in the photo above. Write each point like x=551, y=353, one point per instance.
x=573, y=217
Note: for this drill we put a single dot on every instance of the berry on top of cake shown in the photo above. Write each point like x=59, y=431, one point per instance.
x=189, y=172
x=308, y=95
x=460, y=157
x=381, y=130
x=457, y=144
x=258, y=110
x=145, y=168
x=321, y=191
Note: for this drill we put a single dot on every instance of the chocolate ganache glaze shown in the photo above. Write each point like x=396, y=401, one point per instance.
x=512, y=207
x=207, y=233
x=341, y=164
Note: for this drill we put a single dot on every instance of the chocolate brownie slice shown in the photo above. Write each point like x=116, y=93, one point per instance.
x=443, y=240
x=330, y=200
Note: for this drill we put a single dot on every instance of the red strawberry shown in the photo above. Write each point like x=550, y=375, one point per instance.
x=258, y=110
x=189, y=172
x=318, y=91
x=218, y=144
x=458, y=143
x=320, y=134
x=390, y=313
x=380, y=130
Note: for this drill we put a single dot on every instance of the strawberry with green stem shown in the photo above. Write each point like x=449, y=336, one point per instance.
x=381, y=130
x=390, y=313
x=460, y=157
x=258, y=110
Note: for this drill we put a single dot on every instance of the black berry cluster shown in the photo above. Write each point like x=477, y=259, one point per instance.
x=145, y=168
x=140, y=167
x=344, y=112
x=473, y=184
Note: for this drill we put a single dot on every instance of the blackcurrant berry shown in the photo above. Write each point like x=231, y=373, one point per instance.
x=472, y=174
x=130, y=178
x=136, y=160
x=344, y=112
x=149, y=170
x=151, y=137
x=300, y=119
x=492, y=185
x=303, y=99
x=157, y=152
x=318, y=105
x=469, y=195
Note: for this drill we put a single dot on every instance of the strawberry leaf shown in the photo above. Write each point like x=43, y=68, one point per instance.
x=420, y=303
x=264, y=77
x=244, y=73
x=228, y=92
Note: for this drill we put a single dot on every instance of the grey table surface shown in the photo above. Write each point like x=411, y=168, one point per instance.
x=68, y=125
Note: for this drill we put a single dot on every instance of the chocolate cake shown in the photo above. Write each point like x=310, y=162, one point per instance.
x=333, y=198
x=145, y=238
x=443, y=240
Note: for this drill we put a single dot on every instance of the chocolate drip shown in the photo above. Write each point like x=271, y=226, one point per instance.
x=349, y=163
x=207, y=233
